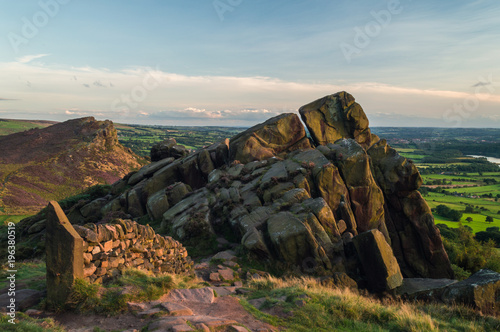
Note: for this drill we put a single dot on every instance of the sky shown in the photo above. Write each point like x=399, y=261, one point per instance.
x=240, y=62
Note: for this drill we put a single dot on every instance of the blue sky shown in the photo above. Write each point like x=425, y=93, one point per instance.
x=239, y=62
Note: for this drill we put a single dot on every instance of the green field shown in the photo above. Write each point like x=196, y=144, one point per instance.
x=459, y=190
x=8, y=127
x=140, y=139
x=478, y=223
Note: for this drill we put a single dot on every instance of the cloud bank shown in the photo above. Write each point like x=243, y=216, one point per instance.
x=150, y=95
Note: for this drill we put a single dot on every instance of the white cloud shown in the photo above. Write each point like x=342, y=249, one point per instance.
x=146, y=93
x=29, y=58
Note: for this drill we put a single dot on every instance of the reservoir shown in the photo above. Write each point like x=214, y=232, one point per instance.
x=490, y=159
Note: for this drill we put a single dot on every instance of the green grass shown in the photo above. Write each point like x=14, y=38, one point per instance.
x=132, y=285
x=30, y=275
x=4, y=220
x=345, y=310
x=8, y=127
x=24, y=323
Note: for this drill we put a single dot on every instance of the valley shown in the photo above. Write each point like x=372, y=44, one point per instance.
x=451, y=176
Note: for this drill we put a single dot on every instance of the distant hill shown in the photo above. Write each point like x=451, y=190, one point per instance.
x=8, y=126
x=60, y=160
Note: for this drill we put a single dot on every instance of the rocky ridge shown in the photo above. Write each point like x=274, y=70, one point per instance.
x=39, y=165
x=300, y=204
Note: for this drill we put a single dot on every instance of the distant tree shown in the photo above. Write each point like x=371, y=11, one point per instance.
x=455, y=215
x=469, y=209
x=446, y=212
x=489, y=219
x=468, y=219
x=442, y=210
x=424, y=191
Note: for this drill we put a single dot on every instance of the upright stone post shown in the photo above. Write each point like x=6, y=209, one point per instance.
x=64, y=248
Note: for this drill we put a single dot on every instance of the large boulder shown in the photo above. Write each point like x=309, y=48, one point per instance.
x=190, y=218
x=334, y=117
x=480, y=291
x=157, y=205
x=379, y=265
x=293, y=240
x=326, y=181
x=394, y=173
x=278, y=135
x=167, y=149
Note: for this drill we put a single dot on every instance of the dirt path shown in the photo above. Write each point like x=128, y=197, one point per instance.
x=213, y=308
x=198, y=308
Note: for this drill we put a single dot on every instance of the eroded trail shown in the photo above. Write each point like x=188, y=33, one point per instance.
x=180, y=310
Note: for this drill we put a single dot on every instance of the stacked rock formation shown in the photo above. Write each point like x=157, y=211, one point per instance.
x=296, y=202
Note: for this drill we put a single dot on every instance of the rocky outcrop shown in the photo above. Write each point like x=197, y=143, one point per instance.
x=276, y=136
x=292, y=205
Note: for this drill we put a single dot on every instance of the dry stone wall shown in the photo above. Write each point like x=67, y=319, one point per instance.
x=109, y=248
x=99, y=252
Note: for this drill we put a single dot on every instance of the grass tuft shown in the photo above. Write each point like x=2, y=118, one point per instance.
x=24, y=323
x=346, y=310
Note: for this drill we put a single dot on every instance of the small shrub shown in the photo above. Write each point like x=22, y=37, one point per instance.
x=84, y=296
x=113, y=301
x=144, y=286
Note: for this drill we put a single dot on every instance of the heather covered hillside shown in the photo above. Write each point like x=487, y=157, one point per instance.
x=61, y=160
